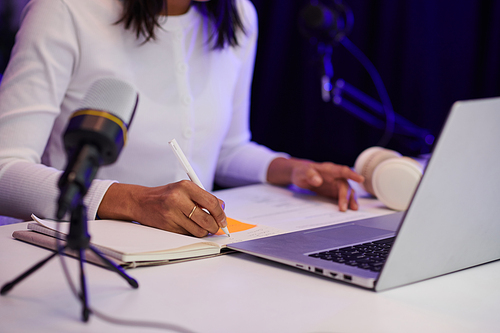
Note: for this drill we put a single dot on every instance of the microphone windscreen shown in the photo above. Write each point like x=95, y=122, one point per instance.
x=317, y=17
x=113, y=96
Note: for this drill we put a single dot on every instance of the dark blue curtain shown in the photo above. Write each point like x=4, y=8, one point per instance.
x=429, y=53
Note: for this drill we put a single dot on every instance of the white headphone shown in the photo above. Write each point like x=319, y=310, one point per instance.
x=390, y=177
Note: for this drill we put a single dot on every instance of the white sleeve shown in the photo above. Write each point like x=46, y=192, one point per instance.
x=34, y=85
x=242, y=161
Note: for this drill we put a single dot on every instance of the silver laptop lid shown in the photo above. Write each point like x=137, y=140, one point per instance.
x=455, y=211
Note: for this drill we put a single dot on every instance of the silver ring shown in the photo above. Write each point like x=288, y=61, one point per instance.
x=192, y=211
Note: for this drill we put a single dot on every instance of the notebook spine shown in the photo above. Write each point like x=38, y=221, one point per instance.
x=59, y=235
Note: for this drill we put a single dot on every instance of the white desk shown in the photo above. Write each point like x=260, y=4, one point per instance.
x=240, y=293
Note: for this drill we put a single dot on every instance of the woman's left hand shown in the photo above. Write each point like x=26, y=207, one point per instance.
x=325, y=178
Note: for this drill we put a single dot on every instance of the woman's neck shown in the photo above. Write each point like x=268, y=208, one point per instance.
x=176, y=7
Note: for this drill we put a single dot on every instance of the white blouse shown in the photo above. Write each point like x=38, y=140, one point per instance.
x=188, y=91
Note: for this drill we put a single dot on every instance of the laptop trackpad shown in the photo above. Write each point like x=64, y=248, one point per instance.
x=301, y=242
x=343, y=235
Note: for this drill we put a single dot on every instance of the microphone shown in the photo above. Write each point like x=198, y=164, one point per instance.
x=318, y=17
x=325, y=21
x=95, y=136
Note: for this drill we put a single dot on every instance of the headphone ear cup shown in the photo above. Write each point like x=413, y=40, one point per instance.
x=395, y=180
x=368, y=160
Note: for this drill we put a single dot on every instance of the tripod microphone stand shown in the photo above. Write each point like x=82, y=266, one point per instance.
x=78, y=240
x=94, y=136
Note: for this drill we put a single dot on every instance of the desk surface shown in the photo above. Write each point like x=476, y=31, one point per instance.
x=240, y=293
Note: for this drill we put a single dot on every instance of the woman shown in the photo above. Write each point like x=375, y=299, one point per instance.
x=192, y=65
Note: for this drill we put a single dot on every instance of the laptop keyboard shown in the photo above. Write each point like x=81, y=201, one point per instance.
x=369, y=255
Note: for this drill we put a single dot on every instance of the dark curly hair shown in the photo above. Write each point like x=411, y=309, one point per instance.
x=142, y=17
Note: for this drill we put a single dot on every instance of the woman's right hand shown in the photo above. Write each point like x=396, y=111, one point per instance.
x=169, y=207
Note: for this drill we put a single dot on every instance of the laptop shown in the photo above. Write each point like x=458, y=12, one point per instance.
x=452, y=222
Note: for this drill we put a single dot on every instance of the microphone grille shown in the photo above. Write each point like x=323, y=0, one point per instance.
x=312, y=16
x=114, y=96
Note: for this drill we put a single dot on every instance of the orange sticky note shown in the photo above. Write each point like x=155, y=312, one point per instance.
x=235, y=226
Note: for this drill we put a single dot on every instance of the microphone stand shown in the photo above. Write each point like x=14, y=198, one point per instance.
x=93, y=137
x=78, y=239
x=325, y=52
x=326, y=23
x=357, y=102
x=343, y=91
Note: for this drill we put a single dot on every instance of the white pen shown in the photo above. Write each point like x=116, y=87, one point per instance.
x=189, y=170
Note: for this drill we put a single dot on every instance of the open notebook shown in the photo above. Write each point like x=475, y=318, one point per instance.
x=270, y=210
x=132, y=245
